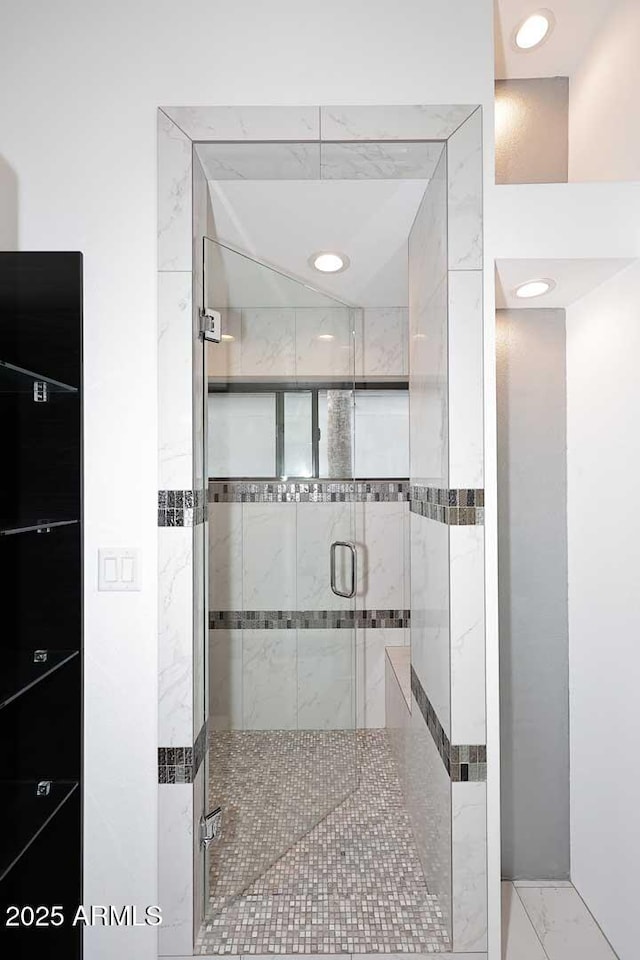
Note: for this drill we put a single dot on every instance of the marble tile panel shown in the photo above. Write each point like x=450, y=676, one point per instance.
x=464, y=163
x=466, y=553
x=428, y=241
x=469, y=866
x=175, y=636
x=269, y=556
x=519, y=939
x=175, y=382
x=260, y=161
x=428, y=799
x=174, y=196
x=386, y=346
x=393, y=160
x=225, y=679
x=370, y=673
x=429, y=400
x=248, y=123
x=381, y=554
x=326, y=668
x=268, y=342
x=430, y=654
x=565, y=927
x=324, y=342
x=269, y=679
x=405, y=122
x=465, y=379
x=175, y=868
x=225, y=556
x=318, y=526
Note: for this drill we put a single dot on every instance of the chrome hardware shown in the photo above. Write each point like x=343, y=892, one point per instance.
x=40, y=391
x=210, y=827
x=211, y=326
x=354, y=568
x=40, y=656
x=43, y=788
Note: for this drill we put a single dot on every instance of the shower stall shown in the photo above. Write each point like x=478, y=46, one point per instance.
x=322, y=763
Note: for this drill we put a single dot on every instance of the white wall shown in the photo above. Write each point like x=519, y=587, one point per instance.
x=83, y=80
x=603, y=407
x=604, y=136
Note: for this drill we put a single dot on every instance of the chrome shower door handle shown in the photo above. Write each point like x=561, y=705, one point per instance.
x=354, y=568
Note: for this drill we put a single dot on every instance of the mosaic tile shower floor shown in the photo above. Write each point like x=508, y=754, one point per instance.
x=311, y=859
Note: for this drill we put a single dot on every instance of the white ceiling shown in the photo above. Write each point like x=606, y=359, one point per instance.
x=283, y=222
x=577, y=22
x=574, y=279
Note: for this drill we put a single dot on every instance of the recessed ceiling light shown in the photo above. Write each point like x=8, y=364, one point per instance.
x=534, y=30
x=327, y=262
x=534, y=288
x=227, y=336
x=326, y=336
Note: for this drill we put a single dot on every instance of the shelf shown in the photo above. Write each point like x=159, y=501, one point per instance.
x=25, y=815
x=9, y=528
x=15, y=379
x=20, y=673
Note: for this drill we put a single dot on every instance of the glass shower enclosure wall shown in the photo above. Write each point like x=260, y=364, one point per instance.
x=282, y=567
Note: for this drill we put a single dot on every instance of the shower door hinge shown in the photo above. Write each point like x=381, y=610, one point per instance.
x=210, y=827
x=211, y=326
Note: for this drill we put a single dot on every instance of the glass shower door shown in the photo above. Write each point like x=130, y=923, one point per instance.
x=283, y=584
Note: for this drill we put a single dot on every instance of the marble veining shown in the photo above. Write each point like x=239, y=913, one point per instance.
x=247, y=122
x=175, y=412
x=464, y=164
x=466, y=428
x=469, y=871
x=264, y=161
x=466, y=578
x=406, y=122
x=379, y=161
x=175, y=650
x=174, y=197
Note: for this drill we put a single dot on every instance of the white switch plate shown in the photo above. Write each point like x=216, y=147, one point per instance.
x=119, y=568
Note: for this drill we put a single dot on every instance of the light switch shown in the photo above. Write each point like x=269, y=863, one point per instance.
x=118, y=568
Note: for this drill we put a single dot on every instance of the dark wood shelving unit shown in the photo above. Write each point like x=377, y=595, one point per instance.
x=41, y=644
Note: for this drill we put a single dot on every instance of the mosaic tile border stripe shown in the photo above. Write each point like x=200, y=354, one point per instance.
x=307, y=619
x=317, y=491
x=453, y=507
x=181, y=508
x=181, y=764
x=463, y=762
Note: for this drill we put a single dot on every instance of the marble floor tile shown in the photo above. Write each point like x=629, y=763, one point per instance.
x=519, y=939
x=564, y=925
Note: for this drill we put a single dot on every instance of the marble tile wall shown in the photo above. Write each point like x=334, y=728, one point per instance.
x=469, y=866
x=318, y=679
x=447, y=560
x=284, y=342
x=175, y=868
x=275, y=556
